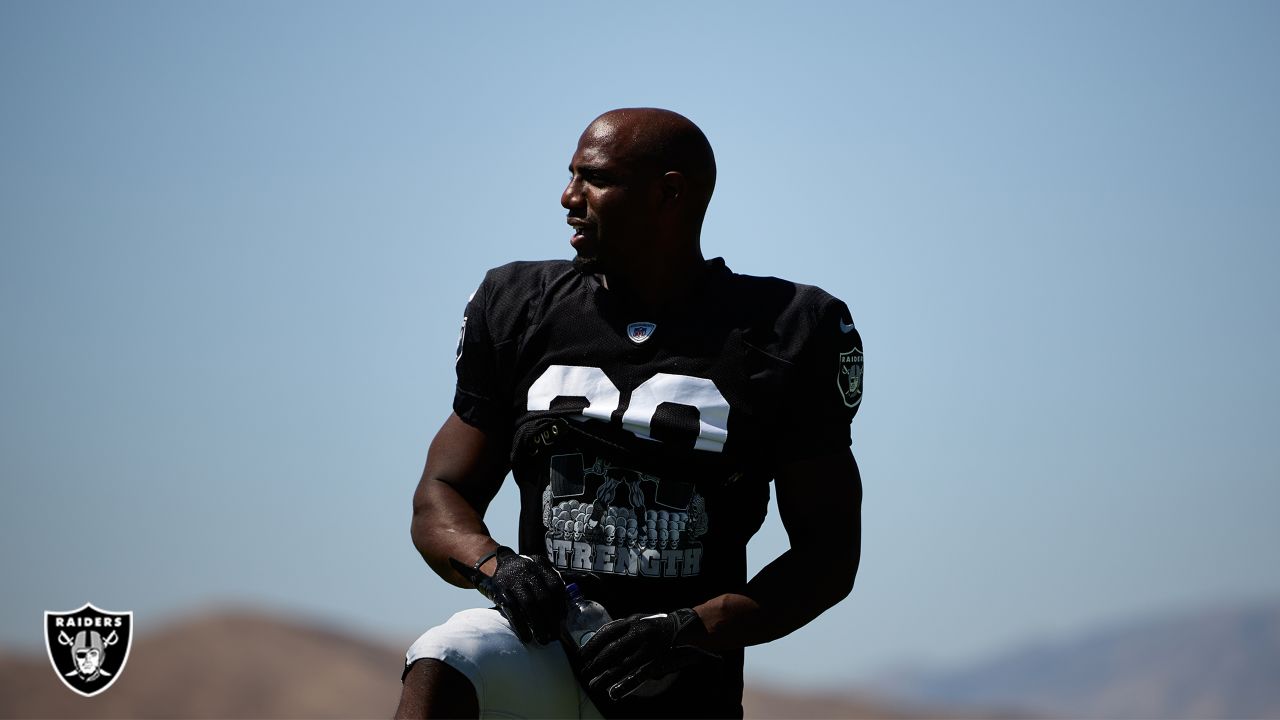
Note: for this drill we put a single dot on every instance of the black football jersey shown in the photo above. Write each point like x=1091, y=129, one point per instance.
x=643, y=444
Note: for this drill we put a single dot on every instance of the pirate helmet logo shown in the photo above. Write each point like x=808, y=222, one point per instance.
x=88, y=647
x=849, y=380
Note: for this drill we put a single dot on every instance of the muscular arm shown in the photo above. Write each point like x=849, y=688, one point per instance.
x=465, y=467
x=815, y=573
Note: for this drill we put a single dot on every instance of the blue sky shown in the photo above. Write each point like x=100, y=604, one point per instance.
x=238, y=238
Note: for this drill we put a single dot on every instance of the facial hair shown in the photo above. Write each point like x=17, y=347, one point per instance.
x=587, y=265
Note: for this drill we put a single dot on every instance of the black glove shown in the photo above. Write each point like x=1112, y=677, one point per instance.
x=641, y=654
x=527, y=591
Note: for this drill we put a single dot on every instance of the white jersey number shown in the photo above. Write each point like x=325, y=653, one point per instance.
x=699, y=395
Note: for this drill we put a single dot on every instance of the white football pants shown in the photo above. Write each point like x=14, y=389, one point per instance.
x=512, y=679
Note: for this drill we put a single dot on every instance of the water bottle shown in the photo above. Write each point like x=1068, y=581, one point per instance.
x=585, y=616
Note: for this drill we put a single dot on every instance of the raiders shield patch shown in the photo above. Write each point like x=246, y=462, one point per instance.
x=850, y=378
x=88, y=647
x=462, y=337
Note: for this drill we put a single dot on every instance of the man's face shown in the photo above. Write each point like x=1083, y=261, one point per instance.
x=87, y=660
x=611, y=201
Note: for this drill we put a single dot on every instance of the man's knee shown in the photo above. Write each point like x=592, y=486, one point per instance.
x=503, y=676
x=433, y=689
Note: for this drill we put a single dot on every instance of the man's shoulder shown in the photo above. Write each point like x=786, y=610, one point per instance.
x=782, y=317
x=525, y=280
x=766, y=296
x=529, y=272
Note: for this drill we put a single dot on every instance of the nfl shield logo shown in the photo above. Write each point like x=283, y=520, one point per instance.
x=88, y=647
x=638, y=332
x=850, y=378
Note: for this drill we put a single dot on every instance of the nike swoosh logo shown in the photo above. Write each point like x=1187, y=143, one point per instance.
x=845, y=328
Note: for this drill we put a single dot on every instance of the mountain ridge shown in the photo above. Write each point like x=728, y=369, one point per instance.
x=244, y=663
x=1209, y=663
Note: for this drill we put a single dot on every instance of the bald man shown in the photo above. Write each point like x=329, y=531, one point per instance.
x=643, y=398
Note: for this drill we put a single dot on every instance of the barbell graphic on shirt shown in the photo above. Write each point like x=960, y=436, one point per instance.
x=659, y=529
x=628, y=508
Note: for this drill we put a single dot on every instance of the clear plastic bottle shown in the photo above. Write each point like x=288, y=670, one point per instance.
x=584, y=617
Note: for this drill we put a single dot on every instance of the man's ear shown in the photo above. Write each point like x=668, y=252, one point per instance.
x=674, y=186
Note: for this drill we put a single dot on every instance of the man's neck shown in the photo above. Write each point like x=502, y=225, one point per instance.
x=659, y=284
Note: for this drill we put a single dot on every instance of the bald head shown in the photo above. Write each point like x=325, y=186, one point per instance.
x=639, y=184
x=662, y=141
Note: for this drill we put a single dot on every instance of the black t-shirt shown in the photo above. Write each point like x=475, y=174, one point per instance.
x=642, y=444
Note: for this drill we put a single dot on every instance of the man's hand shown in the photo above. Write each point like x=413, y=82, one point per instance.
x=528, y=592
x=642, y=653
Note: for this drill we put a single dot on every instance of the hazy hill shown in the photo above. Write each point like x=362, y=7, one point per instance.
x=248, y=665
x=1215, y=664
x=239, y=664
x=224, y=665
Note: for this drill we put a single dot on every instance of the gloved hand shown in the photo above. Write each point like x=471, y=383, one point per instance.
x=641, y=654
x=527, y=590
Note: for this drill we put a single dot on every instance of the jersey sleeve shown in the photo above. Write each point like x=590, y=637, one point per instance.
x=828, y=386
x=482, y=395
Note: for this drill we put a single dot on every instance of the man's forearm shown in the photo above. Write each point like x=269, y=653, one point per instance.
x=464, y=469
x=783, y=597
x=815, y=573
x=446, y=525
